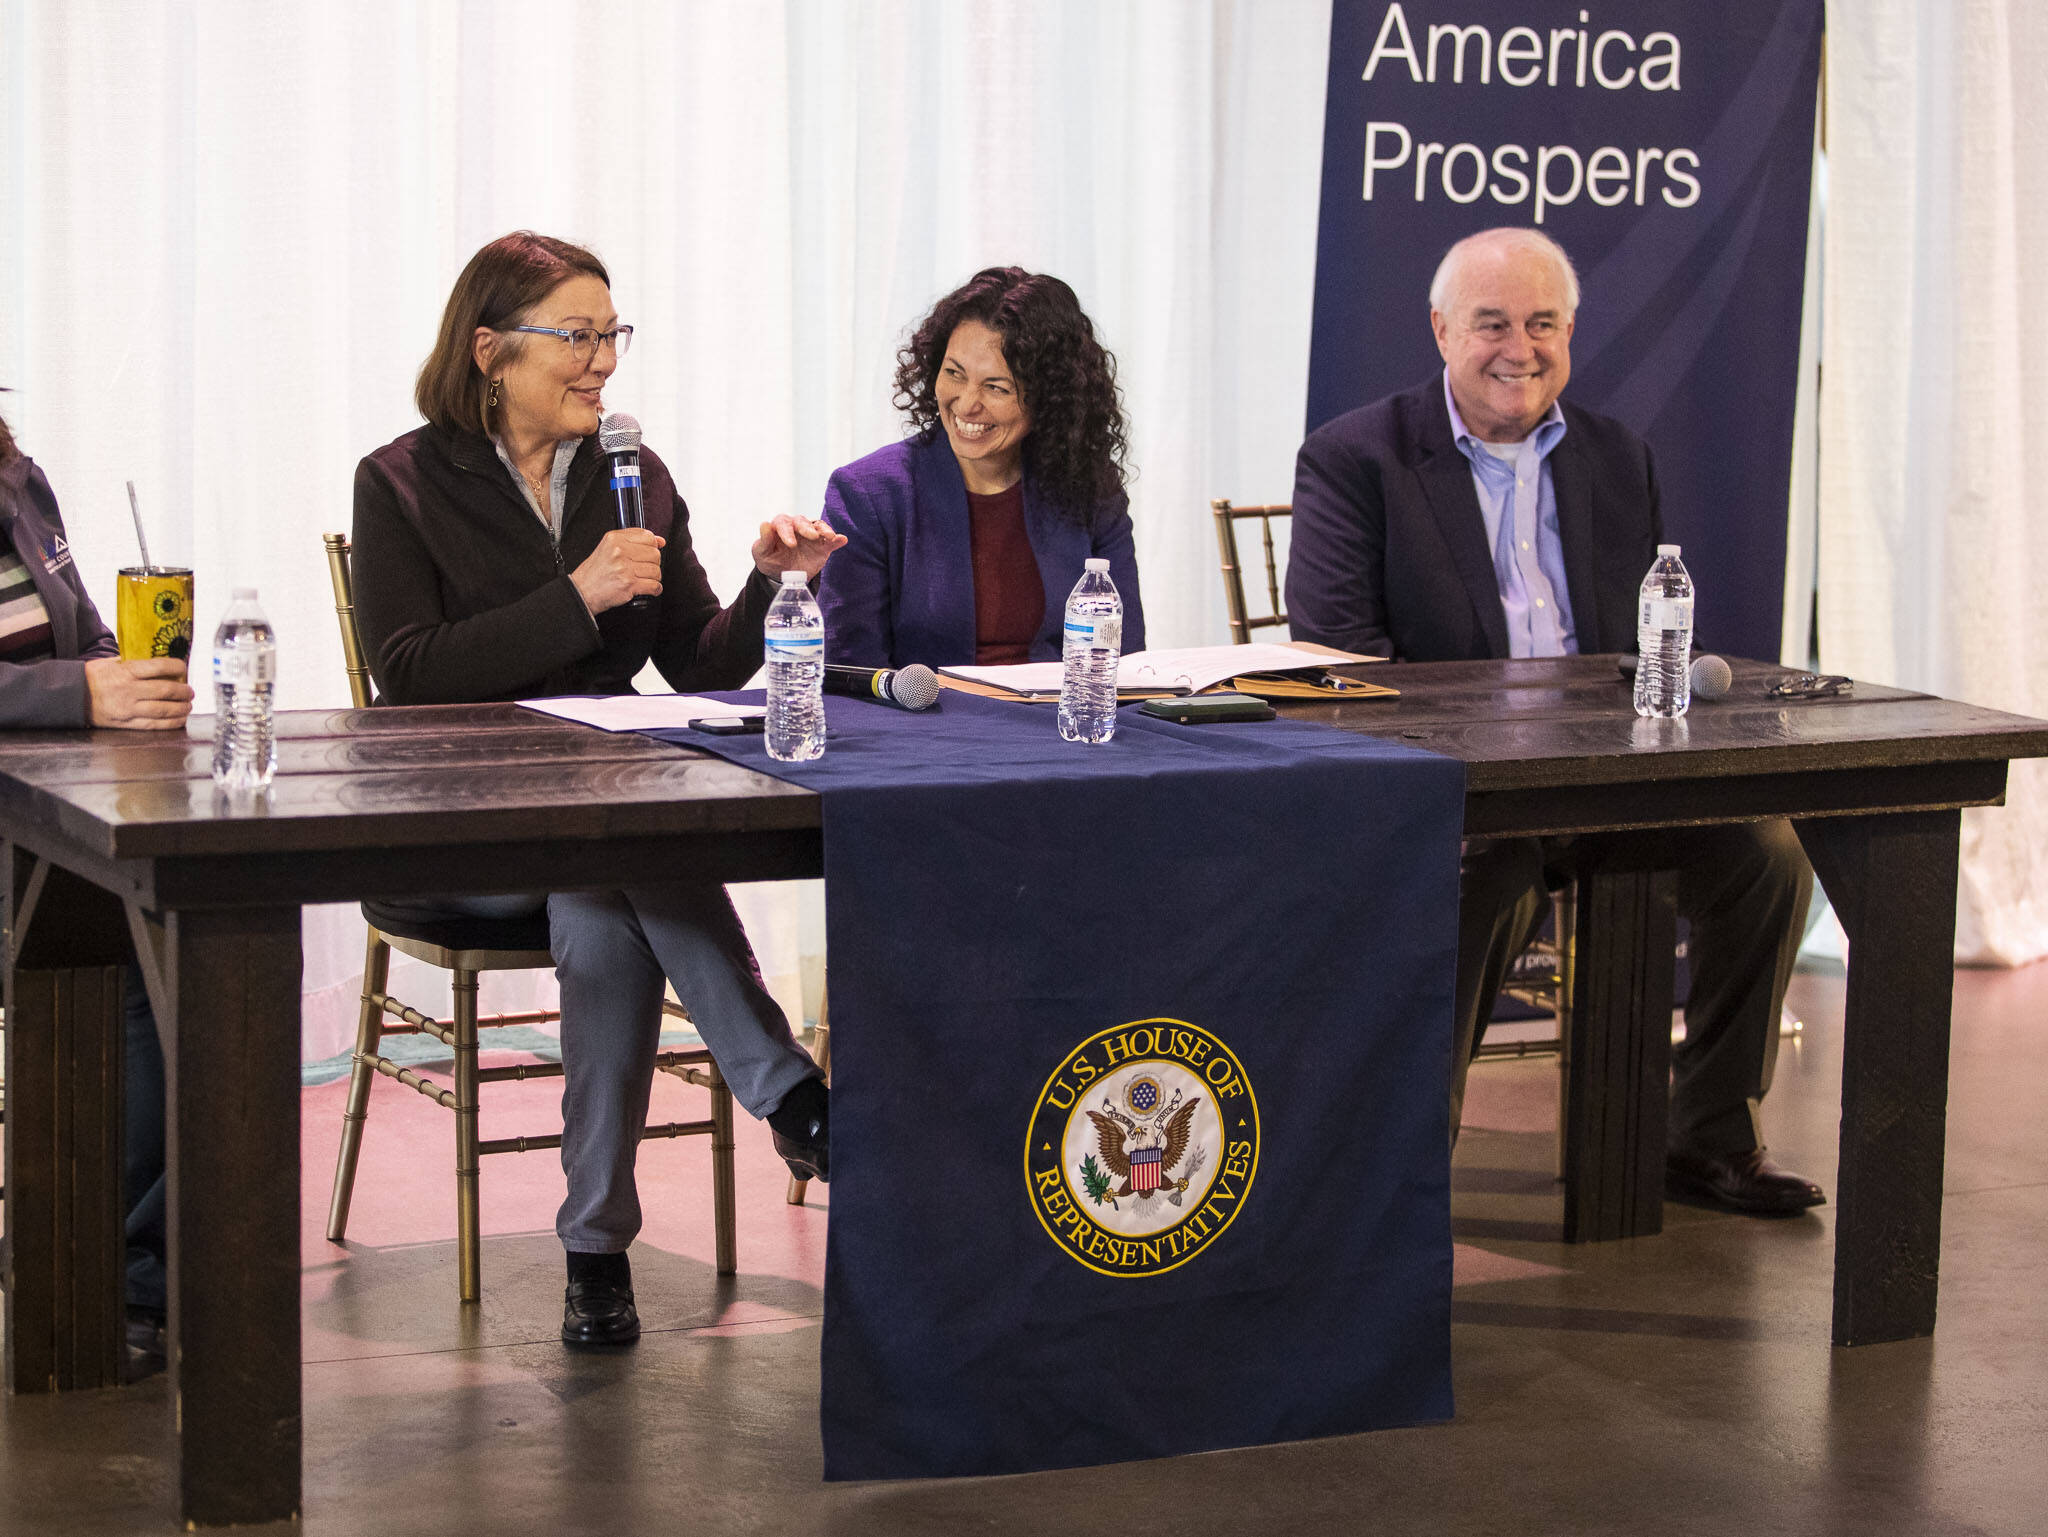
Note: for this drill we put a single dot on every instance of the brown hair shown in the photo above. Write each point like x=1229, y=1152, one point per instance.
x=502, y=282
x=8, y=452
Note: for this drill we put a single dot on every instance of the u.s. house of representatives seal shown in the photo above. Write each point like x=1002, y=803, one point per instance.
x=1143, y=1147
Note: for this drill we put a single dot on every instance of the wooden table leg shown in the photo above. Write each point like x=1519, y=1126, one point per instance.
x=232, y=1083
x=65, y=1247
x=1892, y=880
x=1617, y=1074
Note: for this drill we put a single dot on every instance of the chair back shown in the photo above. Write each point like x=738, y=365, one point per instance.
x=345, y=615
x=1227, y=517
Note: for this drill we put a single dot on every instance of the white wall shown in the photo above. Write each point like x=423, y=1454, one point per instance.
x=1933, y=522
x=231, y=228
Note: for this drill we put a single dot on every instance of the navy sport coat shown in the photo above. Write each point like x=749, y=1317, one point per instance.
x=1389, y=554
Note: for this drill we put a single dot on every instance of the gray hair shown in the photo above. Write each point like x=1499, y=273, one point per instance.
x=1514, y=237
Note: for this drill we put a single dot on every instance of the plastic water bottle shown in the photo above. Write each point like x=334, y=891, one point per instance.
x=796, y=673
x=1664, y=638
x=1094, y=640
x=244, y=680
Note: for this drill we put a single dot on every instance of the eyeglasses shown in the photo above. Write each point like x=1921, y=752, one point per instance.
x=584, y=340
x=1811, y=685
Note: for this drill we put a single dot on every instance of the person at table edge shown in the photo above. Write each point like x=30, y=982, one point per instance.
x=489, y=566
x=966, y=538
x=59, y=667
x=1480, y=515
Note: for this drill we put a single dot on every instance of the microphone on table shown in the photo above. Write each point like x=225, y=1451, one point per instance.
x=914, y=687
x=619, y=436
x=1711, y=677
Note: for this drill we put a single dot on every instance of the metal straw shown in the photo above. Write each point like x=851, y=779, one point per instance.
x=140, y=537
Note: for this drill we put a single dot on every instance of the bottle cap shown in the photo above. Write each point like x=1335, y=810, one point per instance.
x=1667, y=549
x=245, y=594
x=1095, y=565
x=794, y=579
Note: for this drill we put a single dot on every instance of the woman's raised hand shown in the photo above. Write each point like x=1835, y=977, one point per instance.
x=625, y=564
x=795, y=544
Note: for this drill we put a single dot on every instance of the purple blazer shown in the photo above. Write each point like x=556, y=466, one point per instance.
x=902, y=588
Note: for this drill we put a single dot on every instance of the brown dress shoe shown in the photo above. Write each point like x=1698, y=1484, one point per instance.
x=1746, y=1182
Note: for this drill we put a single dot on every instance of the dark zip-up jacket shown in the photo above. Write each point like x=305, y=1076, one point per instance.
x=462, y=594
x=51, y=692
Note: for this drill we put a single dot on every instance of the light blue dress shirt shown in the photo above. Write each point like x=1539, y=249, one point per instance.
x=1520, y=507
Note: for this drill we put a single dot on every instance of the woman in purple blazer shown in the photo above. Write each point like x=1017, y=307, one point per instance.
x=965, y=539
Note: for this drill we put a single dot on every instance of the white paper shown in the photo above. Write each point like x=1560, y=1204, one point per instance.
x=1182, y=670
x=1019, y=677
x=1190, y=669
x=640, y=712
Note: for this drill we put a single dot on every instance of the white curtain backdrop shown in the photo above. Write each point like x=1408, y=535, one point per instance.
x=1933, y=526
x=231, y=228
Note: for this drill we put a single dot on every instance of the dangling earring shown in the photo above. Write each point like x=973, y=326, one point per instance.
x=491, y=400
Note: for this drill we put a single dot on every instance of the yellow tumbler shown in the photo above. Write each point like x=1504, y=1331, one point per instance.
x=153, y=611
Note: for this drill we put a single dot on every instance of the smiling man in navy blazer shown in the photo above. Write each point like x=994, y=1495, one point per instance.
x=1478, y=515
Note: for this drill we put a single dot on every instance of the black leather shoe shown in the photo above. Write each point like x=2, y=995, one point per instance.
x=599, y=1315
x=808, y=1157
x=1745, y=1182
x=801, y=1127
x=147, y=1352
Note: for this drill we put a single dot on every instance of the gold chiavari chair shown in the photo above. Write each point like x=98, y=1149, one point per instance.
x=465, y=948
x=1227, y=519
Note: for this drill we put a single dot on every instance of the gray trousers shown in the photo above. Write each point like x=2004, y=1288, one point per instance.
x=1743, y=888
x=614, y=952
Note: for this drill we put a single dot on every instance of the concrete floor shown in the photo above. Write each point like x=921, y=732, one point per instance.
x=1676, y=1384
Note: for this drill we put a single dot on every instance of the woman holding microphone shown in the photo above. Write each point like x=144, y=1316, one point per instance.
x=489, y=567
x=966, y=538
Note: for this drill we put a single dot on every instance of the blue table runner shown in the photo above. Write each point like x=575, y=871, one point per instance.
x=1139, y=1073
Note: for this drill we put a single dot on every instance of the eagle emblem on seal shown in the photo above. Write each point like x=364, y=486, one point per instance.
x=1144, y=1150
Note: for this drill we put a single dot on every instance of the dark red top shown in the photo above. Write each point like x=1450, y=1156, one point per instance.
x=1009, y=598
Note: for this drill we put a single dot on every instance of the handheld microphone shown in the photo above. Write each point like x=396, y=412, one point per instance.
x=1711, y=677
x=914, y=687
x=619, y=436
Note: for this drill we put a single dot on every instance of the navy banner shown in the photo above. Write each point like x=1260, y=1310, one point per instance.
x=1139, y=1086
x=1668, y=146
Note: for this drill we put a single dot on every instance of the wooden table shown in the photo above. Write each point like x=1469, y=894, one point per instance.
x=1875, y=781
x=491, y=798
x=460, y=799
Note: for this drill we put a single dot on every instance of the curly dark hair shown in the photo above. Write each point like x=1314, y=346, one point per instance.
x=1065, y=378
